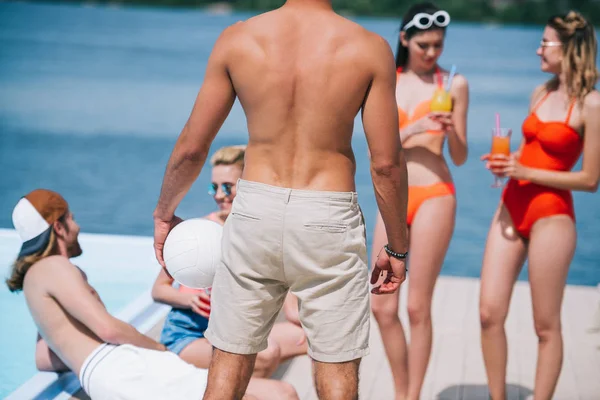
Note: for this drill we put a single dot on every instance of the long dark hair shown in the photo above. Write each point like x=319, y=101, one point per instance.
x=425, y=7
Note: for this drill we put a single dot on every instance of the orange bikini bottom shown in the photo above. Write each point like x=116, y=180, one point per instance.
x=527, y=203
x=417, y=195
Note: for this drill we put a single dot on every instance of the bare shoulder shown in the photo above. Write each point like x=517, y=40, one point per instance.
x=591, y=102
x=234, y=29
x=230, y=33
x=47, y=272
x=591, y=109
x=82, y=272
x=460, y=84
x=57, y=266
x=51, y=264
x=230, y=36
x=537, y=93
x=378, y=51
x=377, y=43
x=359, y=36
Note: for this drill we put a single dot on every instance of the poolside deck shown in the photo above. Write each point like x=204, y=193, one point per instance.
x=456, y=369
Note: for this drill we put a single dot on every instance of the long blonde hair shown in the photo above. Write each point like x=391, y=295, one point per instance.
x=22, y=264
x=579, y=54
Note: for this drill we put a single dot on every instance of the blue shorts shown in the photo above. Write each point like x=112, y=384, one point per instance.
x=181, y=328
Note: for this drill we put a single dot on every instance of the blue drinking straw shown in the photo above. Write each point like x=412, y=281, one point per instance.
x=452, y=72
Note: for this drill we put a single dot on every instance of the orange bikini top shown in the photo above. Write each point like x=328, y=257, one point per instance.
x=552, y=145
x=421, y=110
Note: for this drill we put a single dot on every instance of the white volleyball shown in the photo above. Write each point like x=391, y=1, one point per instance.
x=192, y=252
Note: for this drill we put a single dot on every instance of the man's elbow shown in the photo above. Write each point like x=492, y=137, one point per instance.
x=385, y=168
x=189, y=147
x=193, y=154
x=111, y=333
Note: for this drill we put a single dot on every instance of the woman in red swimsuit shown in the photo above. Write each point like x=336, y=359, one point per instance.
x=535, y=218
x=431, y=200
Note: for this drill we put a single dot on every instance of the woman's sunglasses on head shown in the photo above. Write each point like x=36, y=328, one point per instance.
x=225, y=187
x=424, y=21
x=544, y=43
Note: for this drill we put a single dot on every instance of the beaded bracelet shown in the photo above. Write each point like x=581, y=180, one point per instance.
x=400, y=256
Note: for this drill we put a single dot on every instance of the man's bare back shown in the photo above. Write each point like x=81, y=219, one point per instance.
x=301, y=75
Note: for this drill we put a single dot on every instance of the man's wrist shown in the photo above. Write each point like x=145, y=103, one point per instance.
x=396, y=254
x=159, y=215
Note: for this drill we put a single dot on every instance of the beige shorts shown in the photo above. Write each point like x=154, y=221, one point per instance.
x=310, y=242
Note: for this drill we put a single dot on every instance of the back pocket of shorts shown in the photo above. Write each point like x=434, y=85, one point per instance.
x=326, y=226
x=244, y=216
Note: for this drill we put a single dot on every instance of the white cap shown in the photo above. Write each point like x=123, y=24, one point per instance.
x=33, y=217
x=28, y=222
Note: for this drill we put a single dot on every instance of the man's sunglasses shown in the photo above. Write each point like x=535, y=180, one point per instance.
x=225, y=187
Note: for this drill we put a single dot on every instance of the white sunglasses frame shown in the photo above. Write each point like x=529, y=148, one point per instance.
x=432, y=20
x=544, y=44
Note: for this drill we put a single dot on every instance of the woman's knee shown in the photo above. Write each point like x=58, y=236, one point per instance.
x=492, y=316
x=384, y=314
x=547, y=328
x=268, y=359
x=419, y=312
x=287, y=392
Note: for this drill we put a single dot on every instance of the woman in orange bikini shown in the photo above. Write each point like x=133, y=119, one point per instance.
x=535, y=218
x=431, y=200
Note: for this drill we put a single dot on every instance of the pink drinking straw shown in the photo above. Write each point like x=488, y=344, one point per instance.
x=497, y=123
x=497, y=180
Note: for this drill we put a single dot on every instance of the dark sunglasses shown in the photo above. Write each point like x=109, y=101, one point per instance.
x=225, y=187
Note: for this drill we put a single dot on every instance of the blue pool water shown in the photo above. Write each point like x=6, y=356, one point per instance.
x=92, y=100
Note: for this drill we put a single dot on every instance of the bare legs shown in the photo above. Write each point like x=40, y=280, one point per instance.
x=283, y=344
x=551, y=248
x=385, y=310
x=271, y=389
x=503, y=258
x=228, y=375
x=430, y=236
x=291, y=340
x=336, y=381
x=199, y=353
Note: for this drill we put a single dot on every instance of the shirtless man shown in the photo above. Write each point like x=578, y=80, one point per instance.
x=110, y=357
x=302, y=73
